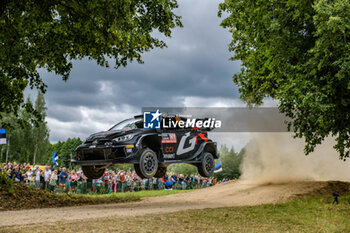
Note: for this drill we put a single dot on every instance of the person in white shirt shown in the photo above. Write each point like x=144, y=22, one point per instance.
x=37, y=177
x=47, y=174
x=29, y=174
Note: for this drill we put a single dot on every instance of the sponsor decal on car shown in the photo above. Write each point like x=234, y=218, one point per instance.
x=169, y=156
x=169, y=149
x=182, y=149
x=169, y=138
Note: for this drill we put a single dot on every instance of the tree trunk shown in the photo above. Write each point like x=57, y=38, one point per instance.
x=2, y=148
x=35, y=150
x=7, y=149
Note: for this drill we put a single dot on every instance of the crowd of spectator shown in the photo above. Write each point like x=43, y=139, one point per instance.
x=60, y=179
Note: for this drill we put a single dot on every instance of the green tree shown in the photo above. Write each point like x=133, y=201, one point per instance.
x=49, y=34
x=230, y=163
x=182, y=168
x=28, y=142
x=19, y=139
x=40, y=132
x=297, y=52
x=65, y=151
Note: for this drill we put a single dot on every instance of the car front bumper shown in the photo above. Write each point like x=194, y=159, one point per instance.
x=104, y=155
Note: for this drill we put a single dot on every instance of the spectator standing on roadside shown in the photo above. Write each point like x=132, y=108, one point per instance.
x=29, y=174
x=42, y=179
x=122, y=181
x=59, y=171
x=47, y=174
x=62, y=178
x=68, y=180
x=53, y=180
x=9, y=174
x=17, y=174
x=37, y=177
x=74, y=181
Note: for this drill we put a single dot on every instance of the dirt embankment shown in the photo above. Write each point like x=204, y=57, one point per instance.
x=223, y=195
x=24, y=197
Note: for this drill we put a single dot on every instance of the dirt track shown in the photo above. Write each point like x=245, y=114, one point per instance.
x=223, y=195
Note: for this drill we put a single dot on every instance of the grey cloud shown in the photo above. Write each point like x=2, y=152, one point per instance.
x=203, y=69
x=65, y=113
x=196, y=63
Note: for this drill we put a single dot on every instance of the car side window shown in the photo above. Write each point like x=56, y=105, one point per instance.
x=139, y=124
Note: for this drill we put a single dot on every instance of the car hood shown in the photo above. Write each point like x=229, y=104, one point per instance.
x=106, y=135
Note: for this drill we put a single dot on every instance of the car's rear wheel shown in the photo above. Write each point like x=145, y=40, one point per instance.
x=93, y=172
x=148, y=163
x=207, y=165
x=161, y=172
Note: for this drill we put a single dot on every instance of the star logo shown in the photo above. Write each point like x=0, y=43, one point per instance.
x=156, y=115
x=151, y=120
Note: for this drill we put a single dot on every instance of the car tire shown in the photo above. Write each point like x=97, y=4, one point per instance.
x=161, y=172
x=93, y=172
x=148, y=163
x=207, y=165
x=138, y=171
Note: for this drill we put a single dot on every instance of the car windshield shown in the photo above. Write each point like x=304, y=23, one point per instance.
x=128, y=124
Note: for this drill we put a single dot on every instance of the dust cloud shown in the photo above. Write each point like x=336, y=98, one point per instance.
x=279, y=158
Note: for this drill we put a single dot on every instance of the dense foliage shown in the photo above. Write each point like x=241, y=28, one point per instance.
x=28, y=142
x=50, y=34
x=65, y=151
x=6, y=183
x=231, y=162
x=297, y=52
x=182, y=168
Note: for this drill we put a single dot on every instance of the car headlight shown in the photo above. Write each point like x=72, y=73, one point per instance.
x=124, y=138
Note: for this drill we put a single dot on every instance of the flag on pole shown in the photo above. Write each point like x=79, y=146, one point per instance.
x=218, y=167
x=2, y=136
x=55, y=158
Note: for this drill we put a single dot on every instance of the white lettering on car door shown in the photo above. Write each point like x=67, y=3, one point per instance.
x=181, y=150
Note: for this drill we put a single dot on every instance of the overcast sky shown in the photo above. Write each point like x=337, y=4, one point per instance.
x=194, y=70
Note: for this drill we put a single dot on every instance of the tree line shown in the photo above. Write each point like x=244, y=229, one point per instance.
x=28, y=140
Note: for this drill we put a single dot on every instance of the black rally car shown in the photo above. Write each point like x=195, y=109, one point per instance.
x=150, y=150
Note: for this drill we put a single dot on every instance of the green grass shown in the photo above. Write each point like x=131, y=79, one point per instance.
x=140, y=194
x=304, y=215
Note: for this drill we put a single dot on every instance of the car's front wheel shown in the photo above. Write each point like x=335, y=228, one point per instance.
x=148, y=164
x=207, y=165
x=138, y=171
x=93, y=172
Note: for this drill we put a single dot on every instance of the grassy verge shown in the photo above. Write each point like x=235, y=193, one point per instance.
x=23, y=197
x=304, y=215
